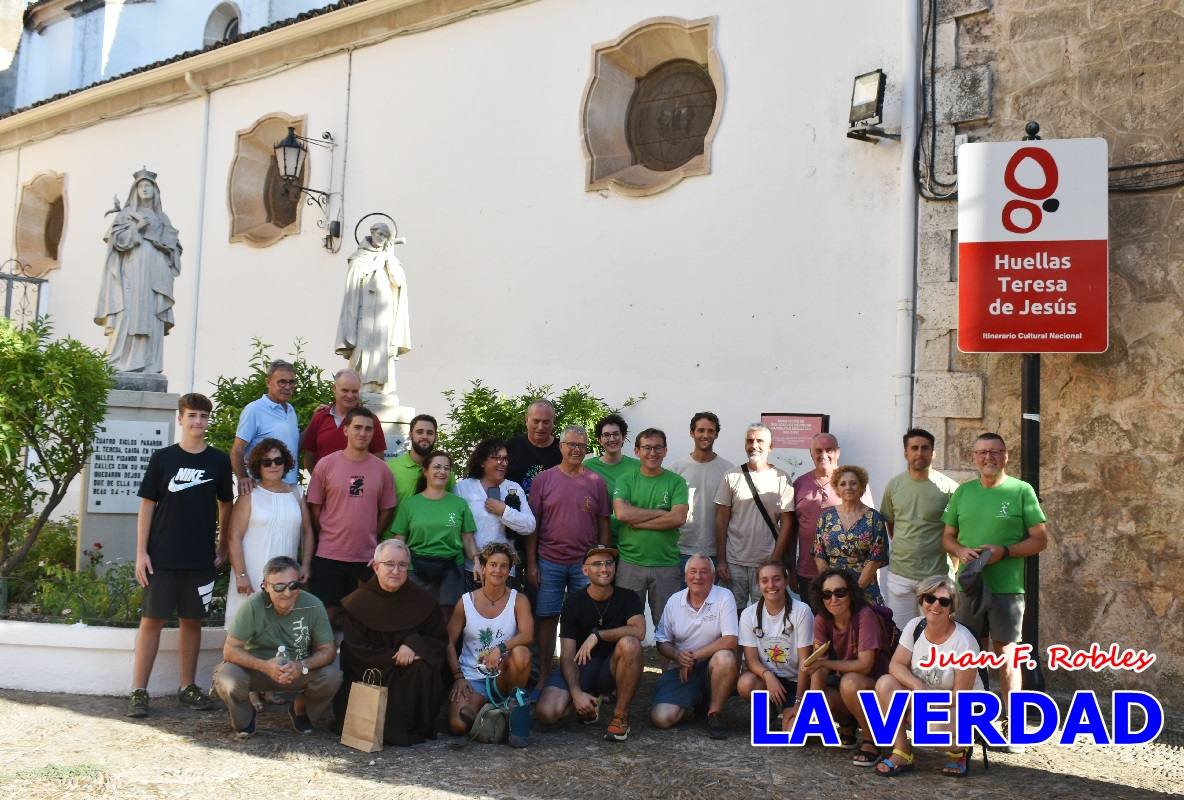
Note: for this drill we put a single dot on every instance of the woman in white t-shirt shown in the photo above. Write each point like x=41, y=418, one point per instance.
x=923, y=639
x=776, y=633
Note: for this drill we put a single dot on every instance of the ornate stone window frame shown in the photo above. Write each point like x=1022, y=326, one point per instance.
x=41, y=198
x=219, y=21
x=246, y=185
x=616, y=67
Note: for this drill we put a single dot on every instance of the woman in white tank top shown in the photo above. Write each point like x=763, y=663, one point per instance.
x=495, y=627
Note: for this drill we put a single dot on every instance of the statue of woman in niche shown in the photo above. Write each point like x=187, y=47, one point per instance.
x=136, y=292
x=374, y=329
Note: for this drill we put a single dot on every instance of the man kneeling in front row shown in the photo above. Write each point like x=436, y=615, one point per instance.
x=284, y=615
x=600, y=649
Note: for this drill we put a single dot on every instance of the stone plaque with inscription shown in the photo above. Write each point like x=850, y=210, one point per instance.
x=122, y=450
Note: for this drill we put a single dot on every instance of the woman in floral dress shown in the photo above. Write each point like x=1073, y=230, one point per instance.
x=852, y=536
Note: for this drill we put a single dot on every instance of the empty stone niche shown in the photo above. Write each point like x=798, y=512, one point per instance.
x=262, y=209
x=652, y=106
x=40, y=221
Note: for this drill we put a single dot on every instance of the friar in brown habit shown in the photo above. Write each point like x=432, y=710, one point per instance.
x=395, y=626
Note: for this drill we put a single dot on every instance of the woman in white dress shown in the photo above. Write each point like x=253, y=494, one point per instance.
x=270, y=521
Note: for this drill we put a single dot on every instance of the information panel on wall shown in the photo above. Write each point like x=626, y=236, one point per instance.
x=791, y=439
x=1032, y=247
x=122, y=450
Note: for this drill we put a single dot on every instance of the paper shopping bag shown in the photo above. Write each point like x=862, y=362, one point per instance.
x=365, y=714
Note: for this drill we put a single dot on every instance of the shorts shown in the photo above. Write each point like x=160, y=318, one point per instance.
x=188, y=592
x=694, y=693
x=791, y=691
x=596, y=677
x=1005, y=617
x=659, y=582
x=554, y=581
x=745, y=587
x=440, y=576
x=900, y=595
x=331, y=580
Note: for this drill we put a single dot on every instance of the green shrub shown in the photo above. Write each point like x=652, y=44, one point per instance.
x=56, y=546
x=313, y=390
x=481, y=412
x=109, y=598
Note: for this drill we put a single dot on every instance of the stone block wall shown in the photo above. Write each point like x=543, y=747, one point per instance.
x=1112, y=470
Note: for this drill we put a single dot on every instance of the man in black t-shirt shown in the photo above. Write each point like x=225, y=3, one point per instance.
x=186, y=489
x=600, y=638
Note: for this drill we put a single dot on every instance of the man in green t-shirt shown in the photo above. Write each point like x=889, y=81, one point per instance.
x=912, y=506
x=652, y=504
x=999, y=513
x=612, y=463
x=280, y=614
x=421, y=433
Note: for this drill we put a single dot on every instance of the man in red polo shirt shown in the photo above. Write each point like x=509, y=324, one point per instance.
x=324, y=434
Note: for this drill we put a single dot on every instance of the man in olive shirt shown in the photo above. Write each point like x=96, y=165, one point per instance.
x=912, y=505
x=999, y=514
x=652, y=504
x=408, y=467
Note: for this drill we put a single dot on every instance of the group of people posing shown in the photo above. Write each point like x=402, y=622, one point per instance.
x=753, y=579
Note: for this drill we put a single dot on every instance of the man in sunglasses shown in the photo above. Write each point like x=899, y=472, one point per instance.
x=600, y=639
x=999, y=514
x=280, y=615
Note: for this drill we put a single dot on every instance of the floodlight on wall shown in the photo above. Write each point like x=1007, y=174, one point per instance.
x=867, y=108
x=291, y=153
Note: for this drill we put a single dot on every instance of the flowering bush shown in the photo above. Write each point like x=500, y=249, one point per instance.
x=107, y=597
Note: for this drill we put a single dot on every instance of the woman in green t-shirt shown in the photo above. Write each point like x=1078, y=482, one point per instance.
x=439, y=530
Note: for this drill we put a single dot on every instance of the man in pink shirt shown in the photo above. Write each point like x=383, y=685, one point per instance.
x=570, y=503
x=351, y=497
x=812, y=492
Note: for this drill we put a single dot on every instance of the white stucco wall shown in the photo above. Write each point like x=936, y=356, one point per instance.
x=769, y=285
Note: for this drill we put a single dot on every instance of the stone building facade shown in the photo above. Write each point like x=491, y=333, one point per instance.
x=1112, y=470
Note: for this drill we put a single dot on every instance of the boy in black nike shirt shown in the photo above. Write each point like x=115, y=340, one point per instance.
x=185, y=491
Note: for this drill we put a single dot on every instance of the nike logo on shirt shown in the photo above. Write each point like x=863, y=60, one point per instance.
x=186, y=478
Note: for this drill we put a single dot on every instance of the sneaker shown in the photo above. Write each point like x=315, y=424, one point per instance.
x=137, y=704
x=618, y=729
x=300, y=722
x=249, y=731
x=195, y=698
x=716, y=728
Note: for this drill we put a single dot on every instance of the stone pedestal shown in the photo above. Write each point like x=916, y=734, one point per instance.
x=141, y=381
x=137, y=424
x=395, y=419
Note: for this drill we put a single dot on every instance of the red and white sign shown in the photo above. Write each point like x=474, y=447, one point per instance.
x=1032, y=247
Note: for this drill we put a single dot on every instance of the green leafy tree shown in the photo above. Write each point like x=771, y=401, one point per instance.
x=313, y=390
x=482, y=412
x=53, y=397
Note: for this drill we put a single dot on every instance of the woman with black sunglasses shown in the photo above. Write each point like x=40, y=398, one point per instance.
x=923, y=639
x=857, y=638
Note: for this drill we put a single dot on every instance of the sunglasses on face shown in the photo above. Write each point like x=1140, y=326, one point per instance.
x=280, y=588
x=271, y=462
x=600, y=564
x=930, y=599
x=836, y=593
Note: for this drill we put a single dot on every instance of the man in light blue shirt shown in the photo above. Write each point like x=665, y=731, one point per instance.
x=269, y=416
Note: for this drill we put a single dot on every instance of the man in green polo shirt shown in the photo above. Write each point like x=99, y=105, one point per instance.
x=612, y=463
x=408, y=467
x=999, y=513
x=652, y=504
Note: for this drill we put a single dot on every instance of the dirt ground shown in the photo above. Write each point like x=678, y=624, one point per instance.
x=55, y=746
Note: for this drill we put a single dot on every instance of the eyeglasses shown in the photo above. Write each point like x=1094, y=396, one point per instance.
x=930, y=599
x=651, y=448
x=286, y=383
x=836, y=593
x=985, y=453
x=574, y=445
x=600, y=564
x=272, y=462
x=611, y=436
x=500, y=459
x=283, y=587
x=394, y=566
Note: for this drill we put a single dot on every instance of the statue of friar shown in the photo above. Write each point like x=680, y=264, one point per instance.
x=374, y=329
x=136, y=291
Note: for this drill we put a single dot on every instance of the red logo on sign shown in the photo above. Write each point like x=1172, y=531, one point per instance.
x=1043, y=193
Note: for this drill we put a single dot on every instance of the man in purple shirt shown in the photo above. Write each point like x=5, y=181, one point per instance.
x=570, y=503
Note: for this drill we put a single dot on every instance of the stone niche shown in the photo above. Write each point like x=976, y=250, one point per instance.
x=40, y=222
x=652, y=106
x=262, y=209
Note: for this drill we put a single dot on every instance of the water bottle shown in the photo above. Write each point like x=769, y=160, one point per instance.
x=281, y=656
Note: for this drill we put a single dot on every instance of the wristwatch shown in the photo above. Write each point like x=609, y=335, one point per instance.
x=596, y=633
x=303, y=668
x=242, y=574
